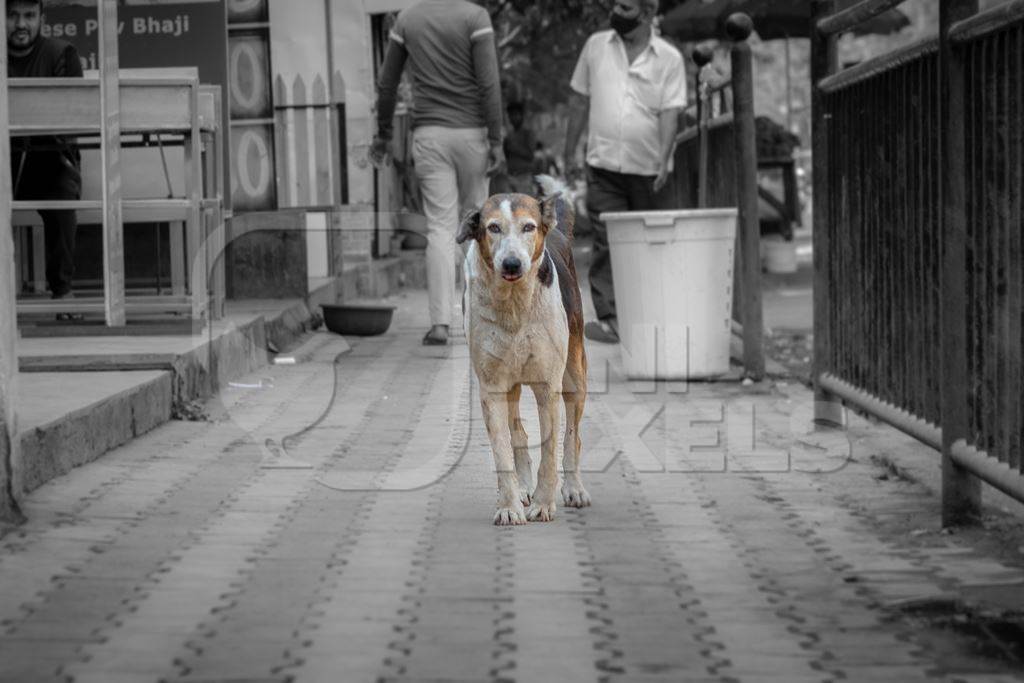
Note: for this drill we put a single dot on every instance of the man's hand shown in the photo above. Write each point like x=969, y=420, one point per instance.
x=495, y=159
x=661, y=179
x=380, y=151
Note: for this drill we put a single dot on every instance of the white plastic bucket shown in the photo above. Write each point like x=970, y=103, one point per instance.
x=673, y=290
x=778, y=255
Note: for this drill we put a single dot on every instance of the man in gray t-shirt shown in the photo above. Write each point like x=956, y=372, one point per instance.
x=449, y=50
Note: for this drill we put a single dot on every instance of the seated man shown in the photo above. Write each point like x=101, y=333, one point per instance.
x=45, y=167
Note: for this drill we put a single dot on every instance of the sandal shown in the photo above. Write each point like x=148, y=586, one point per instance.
x=433, y=337
x=601, y=331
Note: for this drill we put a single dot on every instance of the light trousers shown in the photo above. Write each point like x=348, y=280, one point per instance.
x=451, y=166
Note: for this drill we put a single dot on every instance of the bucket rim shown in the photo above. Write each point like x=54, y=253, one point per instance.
x=725, y=212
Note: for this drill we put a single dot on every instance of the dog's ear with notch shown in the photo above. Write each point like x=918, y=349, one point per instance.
x=469, y=228
x=558, y=213
x=556, y=207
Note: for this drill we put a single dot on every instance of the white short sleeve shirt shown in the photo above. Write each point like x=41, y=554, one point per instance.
x=627, y=99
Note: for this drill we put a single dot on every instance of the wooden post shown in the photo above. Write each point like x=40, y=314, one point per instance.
x=333, y=111
x=828, y=410
x=738, y=27
x=10, y=487
x=702, y=57
x=961, y=492
x=110, y=108
x=194, y=251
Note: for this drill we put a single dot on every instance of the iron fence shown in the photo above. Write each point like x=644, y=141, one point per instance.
x=884, y=220
x=919, y=291
x=994, y=116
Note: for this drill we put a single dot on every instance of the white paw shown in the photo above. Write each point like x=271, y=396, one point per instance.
x=575, y=496
x=510, y=515
x=541, y=512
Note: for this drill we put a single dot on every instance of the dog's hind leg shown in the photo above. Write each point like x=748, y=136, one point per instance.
x=574, y=395
x=542, y=509
x=520, y=445
x=496, y=417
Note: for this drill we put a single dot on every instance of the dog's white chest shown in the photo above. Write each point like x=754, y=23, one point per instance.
x=529, y=345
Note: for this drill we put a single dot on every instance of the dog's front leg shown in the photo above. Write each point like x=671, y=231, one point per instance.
x=543, y=507
x=495, y=410
x=520, y=446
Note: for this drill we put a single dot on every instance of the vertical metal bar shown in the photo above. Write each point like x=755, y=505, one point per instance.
x=1005, y=398
x=975, y=176
x=873, y=274
x=739, y=28
x=1015, y=253
x=934, y=226
x=824, y=62
x=905, y=317
x=924, y=236
x=856, y=328
x=110, y=141
x=702, y=57
x=877, y=251
x=895, y=326
x=961, y=492
x=911, y=339
x=841, y=205
x=989, y=161
x=845, y=194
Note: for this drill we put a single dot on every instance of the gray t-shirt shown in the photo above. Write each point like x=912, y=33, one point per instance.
x=439, y=36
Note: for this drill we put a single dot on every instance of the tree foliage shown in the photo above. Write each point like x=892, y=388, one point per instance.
x=539, y=42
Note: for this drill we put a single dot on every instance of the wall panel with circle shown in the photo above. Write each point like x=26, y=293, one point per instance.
x=251, y=106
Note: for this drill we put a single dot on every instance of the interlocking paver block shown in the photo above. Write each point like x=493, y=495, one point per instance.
x=178, y=557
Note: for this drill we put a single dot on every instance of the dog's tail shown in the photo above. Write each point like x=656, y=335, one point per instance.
x=553, y=187
x=550, y=186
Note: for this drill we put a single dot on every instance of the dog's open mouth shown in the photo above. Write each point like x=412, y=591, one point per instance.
x=511, y=277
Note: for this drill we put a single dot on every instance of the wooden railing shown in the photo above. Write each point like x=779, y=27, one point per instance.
x=108, y=107
x=164, y=107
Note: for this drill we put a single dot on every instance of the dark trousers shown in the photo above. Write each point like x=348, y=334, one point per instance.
x=59, y=228
x=49, y=176
x=611, y=191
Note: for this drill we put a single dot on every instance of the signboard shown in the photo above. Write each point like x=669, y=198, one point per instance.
x=168, y=34
x=150, y=36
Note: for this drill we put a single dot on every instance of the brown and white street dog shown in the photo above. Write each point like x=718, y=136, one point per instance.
x=524, y=325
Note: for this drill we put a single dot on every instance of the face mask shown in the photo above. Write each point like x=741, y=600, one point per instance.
x=624, y=25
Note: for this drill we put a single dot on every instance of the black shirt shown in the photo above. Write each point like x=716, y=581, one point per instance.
x=49, y=58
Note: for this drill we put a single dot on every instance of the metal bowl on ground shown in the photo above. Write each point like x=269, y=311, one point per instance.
x=363, y=320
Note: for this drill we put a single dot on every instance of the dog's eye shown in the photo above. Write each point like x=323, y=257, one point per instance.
x=494, y=227
x=529, y=227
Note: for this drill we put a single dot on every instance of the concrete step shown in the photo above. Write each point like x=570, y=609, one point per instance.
x=69, y=419
x=81, y=397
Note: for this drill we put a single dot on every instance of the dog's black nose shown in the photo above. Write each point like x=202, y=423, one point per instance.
x=511, y=266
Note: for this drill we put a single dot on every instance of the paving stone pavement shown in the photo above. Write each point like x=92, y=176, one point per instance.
x=332, y=522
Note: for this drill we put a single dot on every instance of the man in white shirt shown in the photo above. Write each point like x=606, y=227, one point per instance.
x=628, y=89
